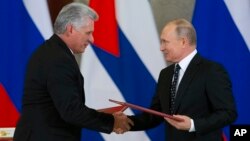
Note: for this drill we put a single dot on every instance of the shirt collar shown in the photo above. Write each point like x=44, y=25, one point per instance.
x=71, y=51
x=185, y=62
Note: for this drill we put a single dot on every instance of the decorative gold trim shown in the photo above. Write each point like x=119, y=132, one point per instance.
x=7, y=132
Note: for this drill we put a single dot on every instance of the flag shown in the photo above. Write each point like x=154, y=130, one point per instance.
x=25, y=24
x=224, y=36
x=123, y=63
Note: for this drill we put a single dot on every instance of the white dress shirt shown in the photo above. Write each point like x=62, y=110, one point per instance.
x=184, y=64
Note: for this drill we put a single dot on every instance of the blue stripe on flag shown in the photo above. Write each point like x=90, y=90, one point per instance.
x=220, y=40
x=90, y=135
x=19, y=39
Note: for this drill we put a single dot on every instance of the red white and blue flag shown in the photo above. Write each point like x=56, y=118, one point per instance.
x=223, y=33
x=124, y=61
x=25, y=24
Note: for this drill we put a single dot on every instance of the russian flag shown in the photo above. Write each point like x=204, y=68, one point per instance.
x=123, y=63
x=25, y=24
x=224, y=35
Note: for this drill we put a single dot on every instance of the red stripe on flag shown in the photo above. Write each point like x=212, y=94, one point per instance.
x=106, y=28
x=224, y=137
x=8, y=112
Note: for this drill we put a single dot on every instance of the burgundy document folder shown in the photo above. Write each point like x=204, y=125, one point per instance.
x=146, y=110
x=112, y=110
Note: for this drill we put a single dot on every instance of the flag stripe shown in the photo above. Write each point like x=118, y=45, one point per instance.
x=219, y=39
x=42, y=21
x=9, y=113
x=240, y=14
x=127, y=75
x=107, y=36
x=15, y=52
x=140, y=29
x=97, y=95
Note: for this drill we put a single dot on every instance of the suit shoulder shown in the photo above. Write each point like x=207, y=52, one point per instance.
x=166, y=71
x=168, y=68
x=211, y=65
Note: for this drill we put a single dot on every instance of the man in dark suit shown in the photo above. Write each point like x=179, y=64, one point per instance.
x=53, y=107
x=199, y=91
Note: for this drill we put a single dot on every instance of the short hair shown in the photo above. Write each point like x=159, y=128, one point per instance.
x=76, y=14
x=185, y=29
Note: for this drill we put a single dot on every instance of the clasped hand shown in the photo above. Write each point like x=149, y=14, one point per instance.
x=122, y=123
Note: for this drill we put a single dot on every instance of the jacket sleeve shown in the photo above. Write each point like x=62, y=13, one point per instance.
x=67, y=95
x=146, y=121
x=220, y=97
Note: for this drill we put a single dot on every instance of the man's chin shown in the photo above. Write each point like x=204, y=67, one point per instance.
x=166, y=58
x=83, y=50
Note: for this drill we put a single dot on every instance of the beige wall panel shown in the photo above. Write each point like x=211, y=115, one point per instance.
x=166, y=10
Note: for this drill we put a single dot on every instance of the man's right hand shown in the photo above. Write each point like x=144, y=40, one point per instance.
x=122, y=123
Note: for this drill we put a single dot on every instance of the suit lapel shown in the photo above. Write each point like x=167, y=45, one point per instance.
x=187, y=79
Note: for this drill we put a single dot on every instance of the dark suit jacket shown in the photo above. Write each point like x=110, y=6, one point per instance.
x=53, y=107
x=204, y=94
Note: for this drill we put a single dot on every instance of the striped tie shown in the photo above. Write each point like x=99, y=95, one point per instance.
x=173, y=88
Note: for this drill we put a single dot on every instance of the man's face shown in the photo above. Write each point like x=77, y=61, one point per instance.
x=171, y=46
x=82, y=37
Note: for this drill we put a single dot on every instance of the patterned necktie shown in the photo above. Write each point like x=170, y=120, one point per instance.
x=173, y=88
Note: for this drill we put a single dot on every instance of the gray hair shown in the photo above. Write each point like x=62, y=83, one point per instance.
x=185, y=29
x=76, y=14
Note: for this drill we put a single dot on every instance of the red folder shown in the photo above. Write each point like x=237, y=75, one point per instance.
x=112, y=110
x=146, y=110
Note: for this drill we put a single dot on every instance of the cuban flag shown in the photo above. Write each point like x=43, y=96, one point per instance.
x=25, y=25
x=123, y=63
x=223, y=33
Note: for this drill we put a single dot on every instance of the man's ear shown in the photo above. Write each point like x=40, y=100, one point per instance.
x=184, y=41
x=69, y=29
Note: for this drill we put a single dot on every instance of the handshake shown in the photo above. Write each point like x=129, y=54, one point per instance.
x=122, y=123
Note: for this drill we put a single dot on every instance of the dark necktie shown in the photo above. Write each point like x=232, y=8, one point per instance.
x=173, y=88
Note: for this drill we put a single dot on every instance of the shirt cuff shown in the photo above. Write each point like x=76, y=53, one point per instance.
x=192, y=128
